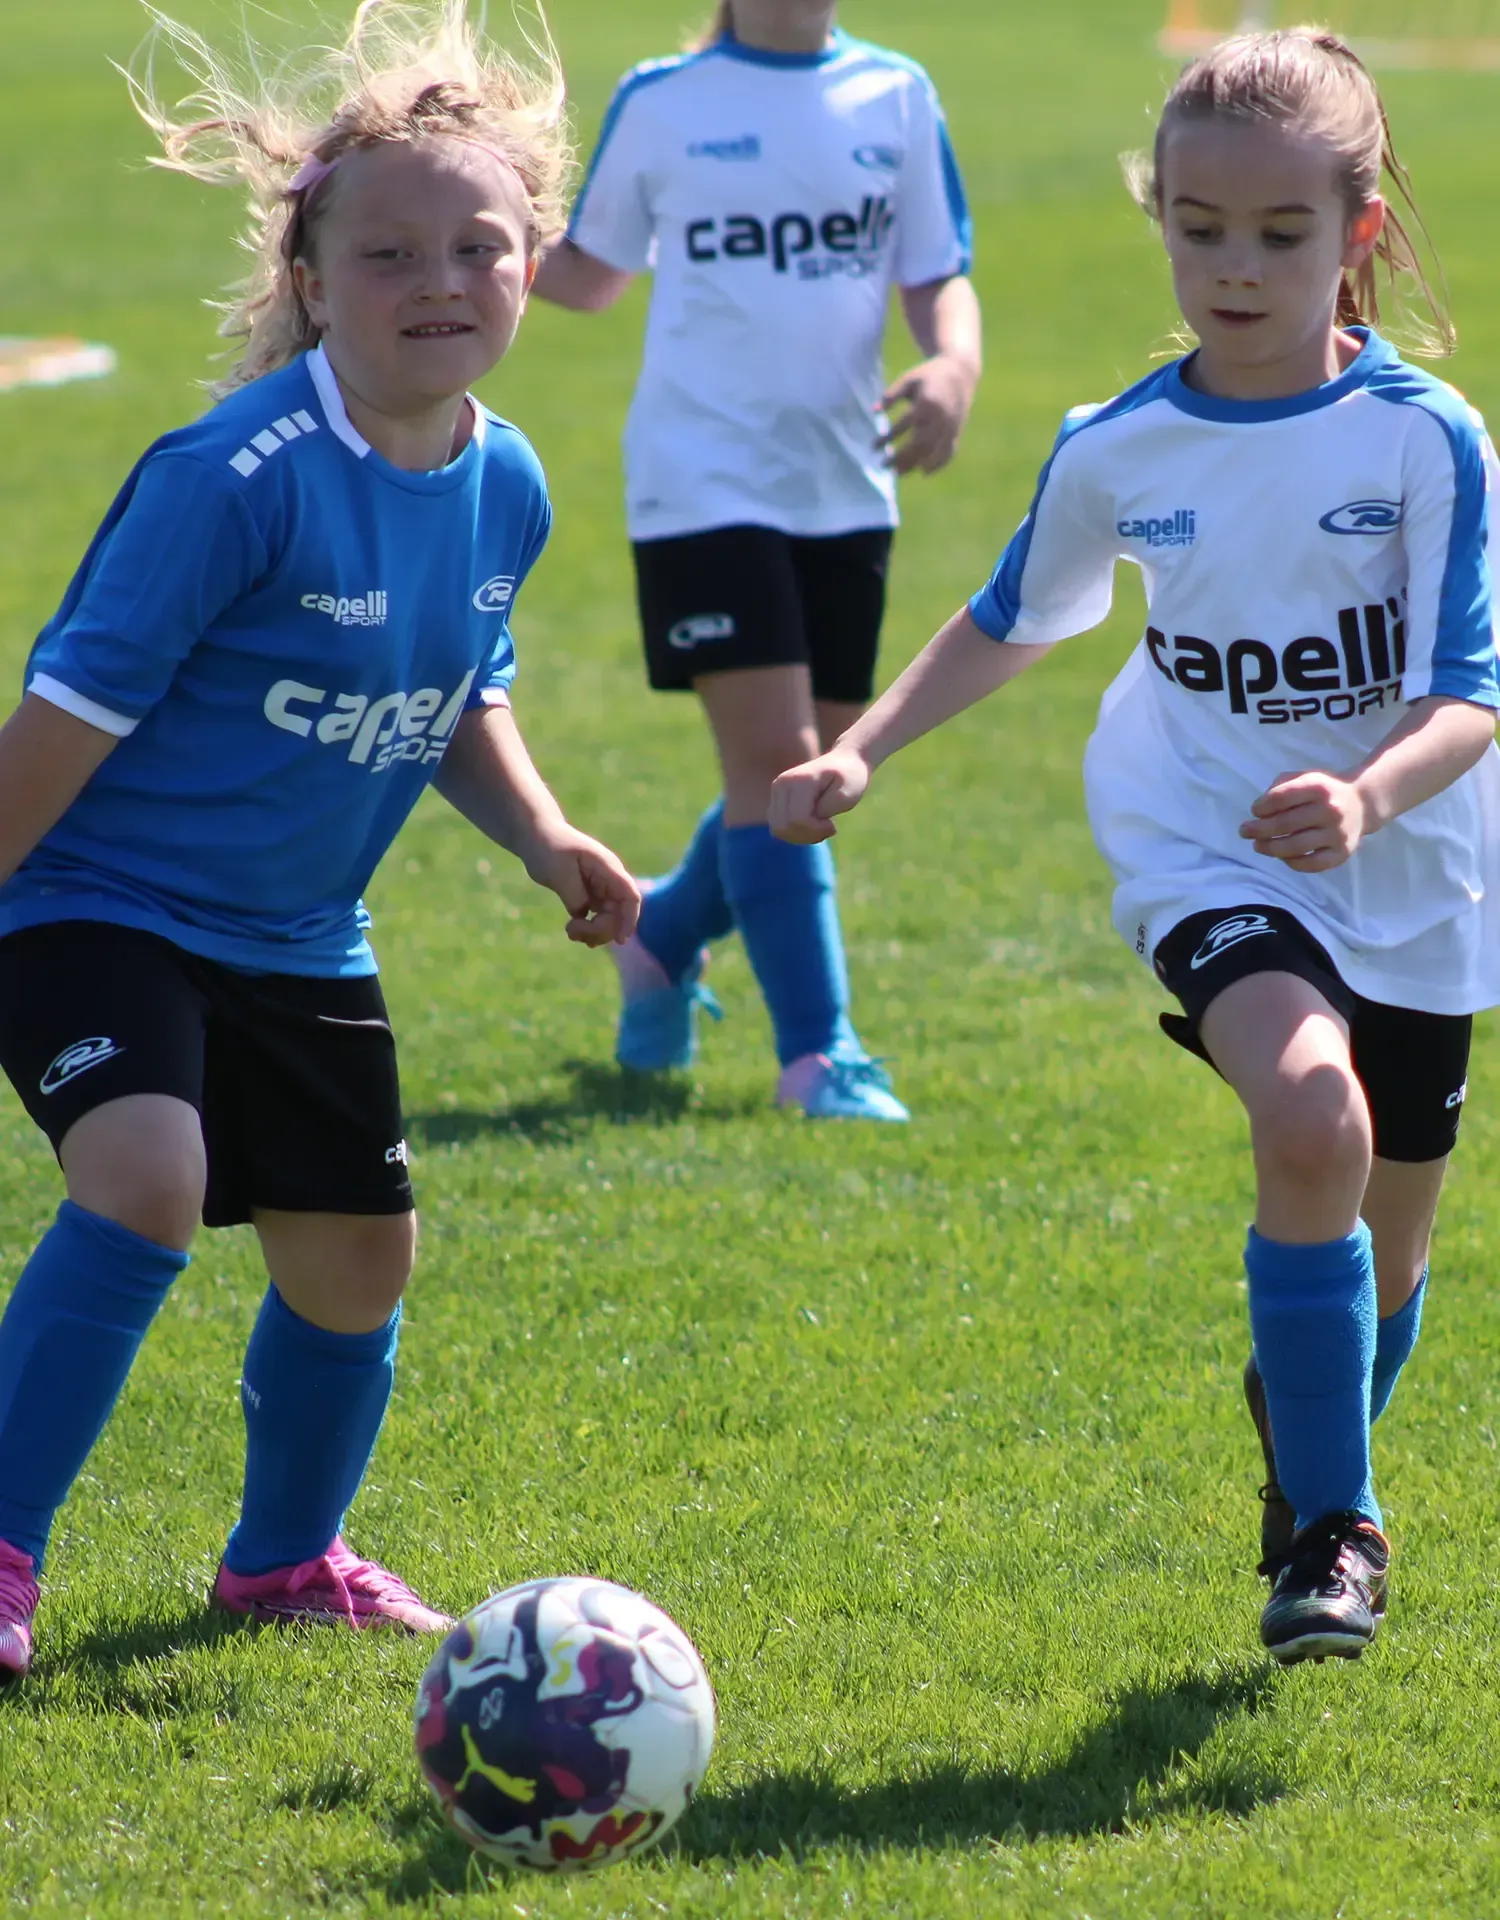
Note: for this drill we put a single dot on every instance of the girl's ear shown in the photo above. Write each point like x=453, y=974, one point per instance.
x=309, y=284
x=531, y=267
x=1364, y=233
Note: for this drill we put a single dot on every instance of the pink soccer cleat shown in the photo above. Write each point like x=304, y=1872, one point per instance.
x=336, y=1590
x=18, y=1598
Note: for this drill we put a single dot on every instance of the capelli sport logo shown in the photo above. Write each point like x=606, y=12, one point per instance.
x=1363, y=516
x=1176, y=529
x=1314, y=677
x=810, y=246
x=1229, y=933
x=77, y=1059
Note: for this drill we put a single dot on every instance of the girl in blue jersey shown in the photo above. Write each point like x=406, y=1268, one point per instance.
x=1294, y=779
x=777, y=181
x=293, y=619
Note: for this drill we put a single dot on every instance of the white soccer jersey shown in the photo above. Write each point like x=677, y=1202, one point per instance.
x=1311, y=565
x=777, y=197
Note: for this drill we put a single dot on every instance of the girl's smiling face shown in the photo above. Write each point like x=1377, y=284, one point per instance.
x=419, y=271
x=1259, y=236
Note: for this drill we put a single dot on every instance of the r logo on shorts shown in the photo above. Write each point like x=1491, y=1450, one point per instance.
x=1228, y=933
x=77, y=1059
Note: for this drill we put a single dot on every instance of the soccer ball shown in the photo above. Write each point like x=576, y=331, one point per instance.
x=564, y=1724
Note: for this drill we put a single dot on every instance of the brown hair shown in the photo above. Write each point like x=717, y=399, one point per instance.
x=1307, y=78
x=722, y=23
x=409, y=70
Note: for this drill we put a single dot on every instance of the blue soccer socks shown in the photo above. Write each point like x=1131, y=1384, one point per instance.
x=786, y=909
x=687, y=907
x=1395, y=1336
x=314, y=1402
x=70, y=1333
x=1313, y=1321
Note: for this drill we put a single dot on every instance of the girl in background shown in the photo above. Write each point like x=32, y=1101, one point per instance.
x=294, y=617
x=1294, y=778
x=777, y=180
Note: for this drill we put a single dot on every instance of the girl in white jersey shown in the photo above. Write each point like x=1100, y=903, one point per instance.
x=777, y=181
x=1293, y=779
x=292, y=621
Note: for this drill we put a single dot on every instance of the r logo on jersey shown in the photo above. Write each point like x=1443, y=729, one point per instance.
x=1363, y=516
x=495, y=595
x=1229, y=933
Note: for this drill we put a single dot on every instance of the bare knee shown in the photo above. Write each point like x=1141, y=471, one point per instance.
x=763, y=722
x=140, y=1162
x=345, y=1272
x=1312, y=1129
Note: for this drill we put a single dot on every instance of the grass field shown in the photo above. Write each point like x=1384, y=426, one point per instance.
x=930, y=1437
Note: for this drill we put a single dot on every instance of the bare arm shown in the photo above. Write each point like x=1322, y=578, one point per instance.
x=1314, y=821
x=934, y=398
x=47, y=758
x=569, y=277
x=959, y=666
x=488, y=776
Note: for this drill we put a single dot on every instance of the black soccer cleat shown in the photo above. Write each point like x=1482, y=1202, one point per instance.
x=1278, y=1518
x=1328, y=1591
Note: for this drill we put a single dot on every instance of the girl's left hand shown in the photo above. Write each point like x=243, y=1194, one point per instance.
x=602, y=899
x=1312, y=821
x=936, y=398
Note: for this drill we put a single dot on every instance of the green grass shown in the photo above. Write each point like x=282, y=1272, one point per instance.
x=930, y=1438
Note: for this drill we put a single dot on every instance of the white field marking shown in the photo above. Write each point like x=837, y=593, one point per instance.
x=51, y=363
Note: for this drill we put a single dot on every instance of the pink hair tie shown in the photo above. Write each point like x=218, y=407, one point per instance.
x=313, y=171
x=310, y=174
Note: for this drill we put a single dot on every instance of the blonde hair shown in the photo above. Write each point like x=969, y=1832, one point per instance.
x=409, y=70
x=722, y=23
x=1309, y=79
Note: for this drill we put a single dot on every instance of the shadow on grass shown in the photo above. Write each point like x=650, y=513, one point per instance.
x=132, y=1667
x=1109, y=1780
x=597, y=1092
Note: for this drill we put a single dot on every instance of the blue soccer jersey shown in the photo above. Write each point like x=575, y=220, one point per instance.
x=282, y=630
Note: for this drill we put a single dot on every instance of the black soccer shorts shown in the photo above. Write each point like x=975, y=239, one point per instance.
x=753, y=597
x=1413, y=1066
x=294, y=1078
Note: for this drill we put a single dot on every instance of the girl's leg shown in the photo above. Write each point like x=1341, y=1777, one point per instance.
x=1400, y=1205
x=1279, y=1043
x=686, y=908
x=317, y=1377
x=78, y=1314
x=782, y=896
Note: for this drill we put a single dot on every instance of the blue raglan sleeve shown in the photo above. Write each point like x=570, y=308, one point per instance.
x=1056, y=577
x=178, y=546
x=1450, y=529
x=612, y=217
x=493, y=681
x=935, y=233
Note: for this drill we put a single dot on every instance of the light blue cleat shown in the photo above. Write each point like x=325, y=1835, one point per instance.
x=658, y=1027
x=843, y=1086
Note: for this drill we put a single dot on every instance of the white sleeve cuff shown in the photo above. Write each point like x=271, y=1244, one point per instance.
x=494, y=697
x=81, y=707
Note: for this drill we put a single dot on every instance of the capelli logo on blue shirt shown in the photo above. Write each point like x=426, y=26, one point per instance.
x=746, y=147
x=1363, y=516
x=1179, y=529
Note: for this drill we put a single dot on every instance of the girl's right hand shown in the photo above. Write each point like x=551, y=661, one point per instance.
x=804, y=799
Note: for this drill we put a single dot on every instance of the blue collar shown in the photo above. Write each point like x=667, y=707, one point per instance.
x=1208, y=406
x=838, y=42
